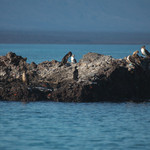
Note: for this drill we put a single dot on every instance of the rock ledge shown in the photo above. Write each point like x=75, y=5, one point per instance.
x=95, y=78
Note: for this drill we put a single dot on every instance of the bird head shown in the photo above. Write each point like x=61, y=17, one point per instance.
x=143, y=47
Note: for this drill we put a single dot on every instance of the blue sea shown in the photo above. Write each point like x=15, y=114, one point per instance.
x=73, y=126
x=41, y=52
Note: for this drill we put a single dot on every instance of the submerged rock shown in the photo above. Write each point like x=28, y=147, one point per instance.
x=94, y=78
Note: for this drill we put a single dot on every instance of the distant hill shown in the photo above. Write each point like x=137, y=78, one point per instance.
x=43, y=37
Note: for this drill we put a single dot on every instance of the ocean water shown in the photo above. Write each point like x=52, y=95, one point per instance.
x=41, y=52
x=73, y=126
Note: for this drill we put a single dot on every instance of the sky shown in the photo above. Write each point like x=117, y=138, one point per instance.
x=75, y=15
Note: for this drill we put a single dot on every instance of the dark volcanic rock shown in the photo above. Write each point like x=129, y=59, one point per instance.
x=95, y=78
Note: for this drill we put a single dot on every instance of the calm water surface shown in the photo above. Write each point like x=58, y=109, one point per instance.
x=42, y=52
x=65, y=126
x=75, y=126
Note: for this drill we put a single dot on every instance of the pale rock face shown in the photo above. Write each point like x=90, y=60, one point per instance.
x=2, y=73
x=24, y=77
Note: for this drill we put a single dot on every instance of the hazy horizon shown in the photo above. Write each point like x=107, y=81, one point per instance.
x=79, y=21
x=74, y=37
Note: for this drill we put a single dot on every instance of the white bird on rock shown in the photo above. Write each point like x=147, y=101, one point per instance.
x=73, y=60
x=145, y=52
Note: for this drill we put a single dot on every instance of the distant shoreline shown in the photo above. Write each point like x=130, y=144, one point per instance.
x=52, y=37
x=80, y=43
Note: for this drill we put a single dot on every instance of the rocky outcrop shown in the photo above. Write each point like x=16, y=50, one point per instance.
x=94, y=78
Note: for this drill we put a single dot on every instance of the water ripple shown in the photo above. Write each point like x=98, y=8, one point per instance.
x=65, y=126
